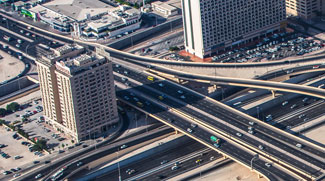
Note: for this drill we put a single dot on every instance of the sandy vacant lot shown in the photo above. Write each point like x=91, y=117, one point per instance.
x=9, y=66
x=232, y=172
x=317, y=134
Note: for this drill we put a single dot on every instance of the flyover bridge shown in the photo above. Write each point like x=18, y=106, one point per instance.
x=251, y=83
x=232, y=81
x=271, y=150
x=226, y=121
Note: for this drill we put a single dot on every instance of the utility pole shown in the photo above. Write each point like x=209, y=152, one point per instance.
x=118, y=166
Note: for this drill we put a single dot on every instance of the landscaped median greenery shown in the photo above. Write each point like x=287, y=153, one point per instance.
x=39, y=144
x=173, y=48
x=3, y=112
x=135, y=5
x=12, y=107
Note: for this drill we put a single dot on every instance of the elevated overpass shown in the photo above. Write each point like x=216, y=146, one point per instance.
x=261, y=84
x=119, y=54
x=195, y=67
x=228, y=148
x=251, y=83
x=228, y=116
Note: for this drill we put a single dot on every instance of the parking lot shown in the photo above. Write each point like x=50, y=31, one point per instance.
x=14, y=148
x=35, y=126
x=275, y=47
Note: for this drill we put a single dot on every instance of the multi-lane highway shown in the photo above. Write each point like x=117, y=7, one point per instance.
x=200, y=134
x=92, y=153
x=240, y=82
x=172, y=90
x=169, y=156
x=207, y=111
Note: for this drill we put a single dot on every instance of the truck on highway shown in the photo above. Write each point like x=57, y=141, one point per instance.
x=7, y=38
x=215, y=139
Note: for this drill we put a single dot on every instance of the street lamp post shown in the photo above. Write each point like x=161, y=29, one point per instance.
x=89, y=134
x=118, y=166
x=146, y=123
x=95, y=141
x=255, y=157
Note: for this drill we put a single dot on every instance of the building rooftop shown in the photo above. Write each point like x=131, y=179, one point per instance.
x=164, y=5
x=106, y=20
x=80, y=63
x=19, y=3
x=78, y=9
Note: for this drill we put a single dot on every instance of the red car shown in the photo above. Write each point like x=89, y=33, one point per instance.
x=315, y=66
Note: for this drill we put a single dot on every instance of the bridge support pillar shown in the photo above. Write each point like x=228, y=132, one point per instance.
x=224, y=156
x=259, y=176
x=273, y=93
x=176, y=132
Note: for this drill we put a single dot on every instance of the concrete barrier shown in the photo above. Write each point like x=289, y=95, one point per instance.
x=15, y=86
x=127, y=41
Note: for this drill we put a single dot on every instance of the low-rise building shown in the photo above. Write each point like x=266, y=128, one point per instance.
x=118, y=21
x=88, y=17
x=164, y=8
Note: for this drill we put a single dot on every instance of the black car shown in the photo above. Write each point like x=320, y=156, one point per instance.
x=36, y=162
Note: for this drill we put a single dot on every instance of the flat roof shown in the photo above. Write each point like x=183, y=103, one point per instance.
x=164, y=5
x=78, y=9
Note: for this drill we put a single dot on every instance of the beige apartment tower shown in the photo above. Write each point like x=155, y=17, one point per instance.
x=82, y=90
x=305, y=8
x=211, y=26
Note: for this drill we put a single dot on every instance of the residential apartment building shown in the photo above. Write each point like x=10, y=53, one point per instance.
x=83, y=90
x=211, y=26
x=305, y=8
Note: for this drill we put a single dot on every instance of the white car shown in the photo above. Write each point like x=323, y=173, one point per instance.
x=268, y=165
x=38, y=176
x=193, y=125
x=260, y=147
x=299, y=145
x=123, y=146
x=251, y=123
x=239, y=134
x=189, y=130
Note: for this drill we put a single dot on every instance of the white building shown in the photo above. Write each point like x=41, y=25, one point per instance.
x=88, y=17
x=118, y=20
x=211, y=26
x=164, y=8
